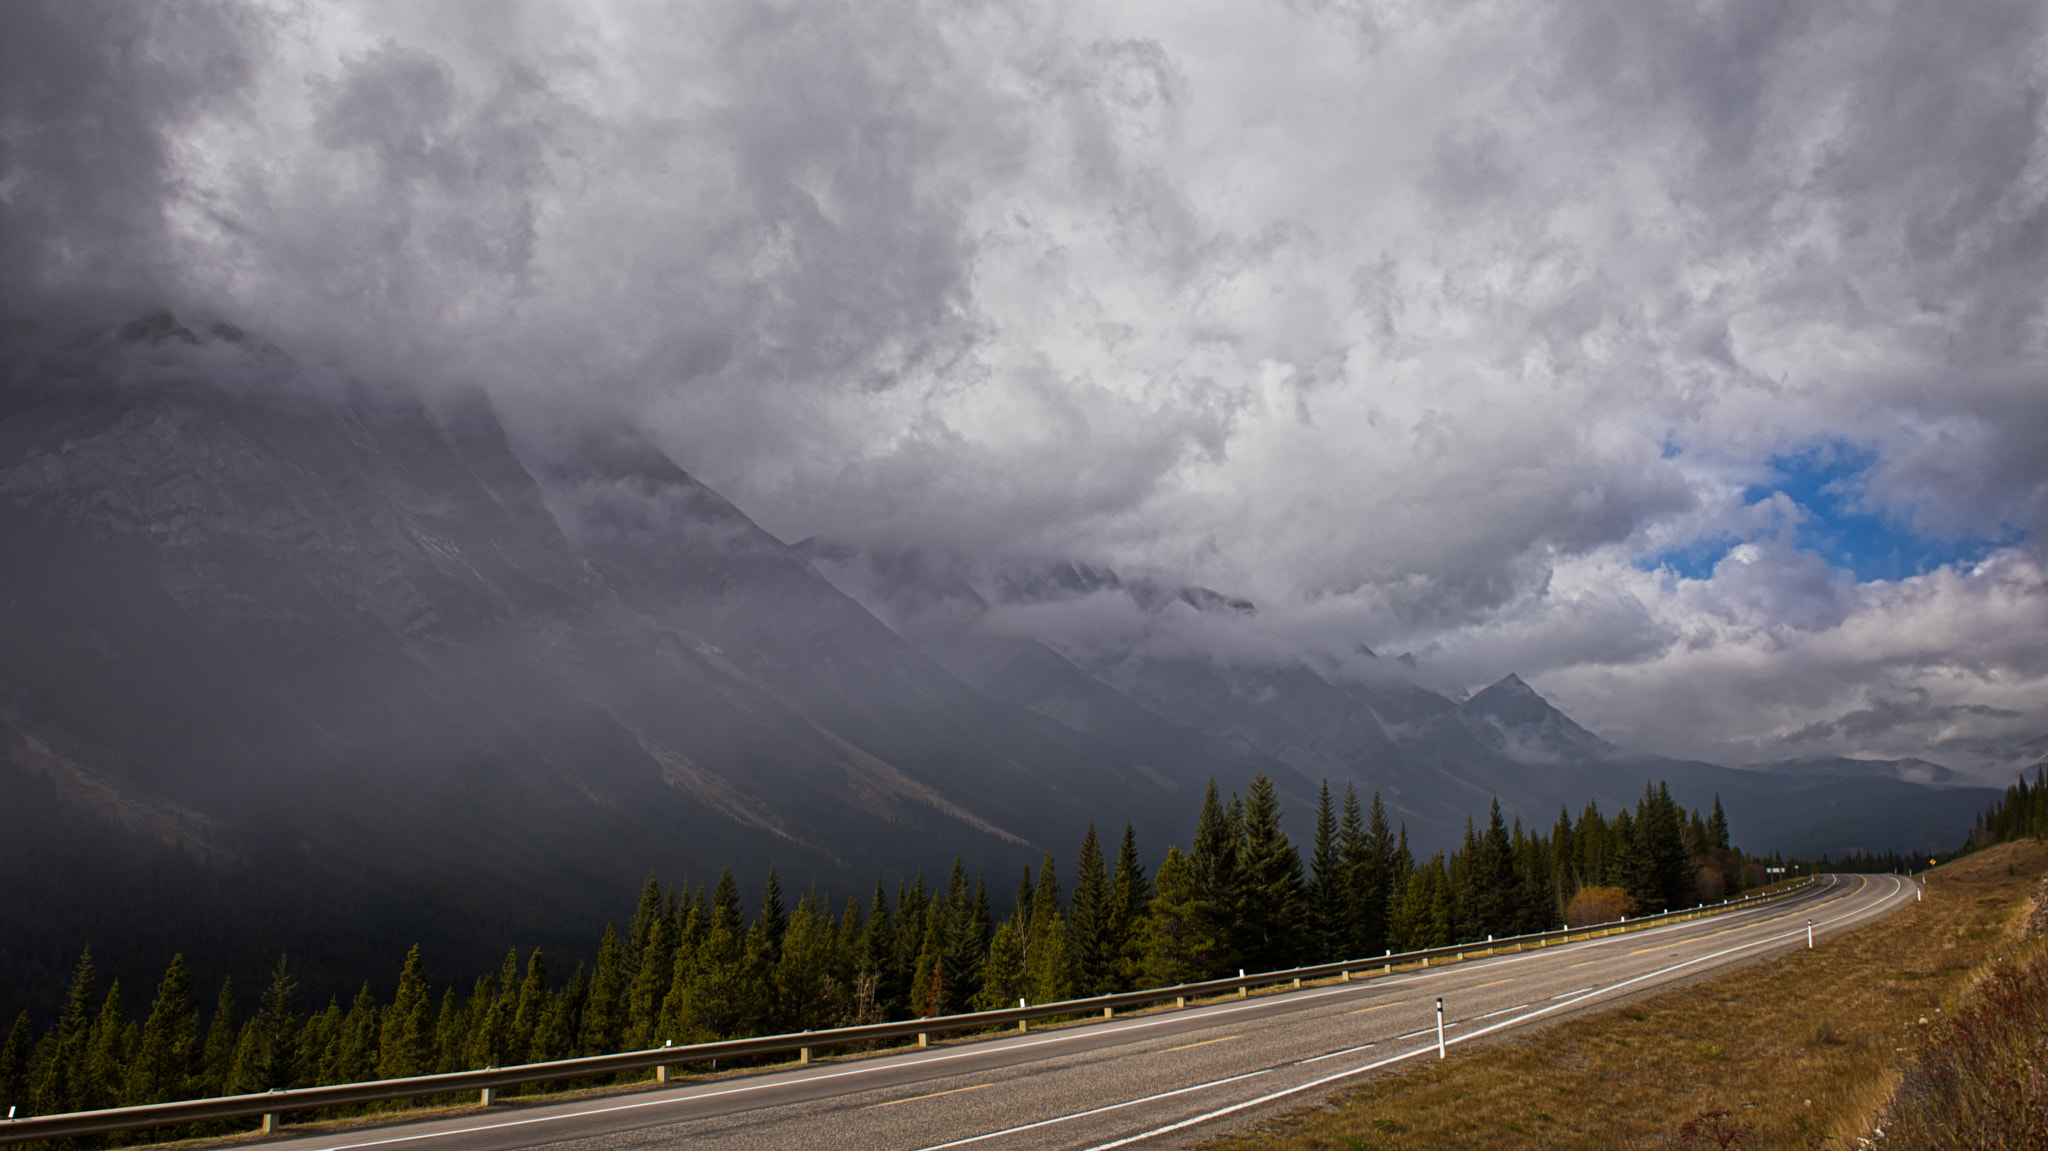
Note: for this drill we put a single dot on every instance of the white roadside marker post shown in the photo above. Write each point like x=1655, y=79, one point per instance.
x=1439, y=1027
x=1809, y=935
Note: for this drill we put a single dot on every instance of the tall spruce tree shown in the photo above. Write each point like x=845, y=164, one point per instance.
x=169, y=1052
x=405, y=1046
x=1130, y=896
x=1326, y=922
x=1088, y=927
x=1271, y=895
x=1213, y=861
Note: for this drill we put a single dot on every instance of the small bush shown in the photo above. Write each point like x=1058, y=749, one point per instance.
x=1598, y=905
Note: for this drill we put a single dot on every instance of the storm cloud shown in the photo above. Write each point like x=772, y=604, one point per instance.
x=1689, y=359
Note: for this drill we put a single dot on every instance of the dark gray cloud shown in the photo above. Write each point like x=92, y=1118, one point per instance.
x=1437, y=328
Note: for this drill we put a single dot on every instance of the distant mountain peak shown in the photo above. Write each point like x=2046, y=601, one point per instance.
x=1529, y=727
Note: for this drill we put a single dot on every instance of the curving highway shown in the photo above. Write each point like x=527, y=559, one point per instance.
x=1157, y=1080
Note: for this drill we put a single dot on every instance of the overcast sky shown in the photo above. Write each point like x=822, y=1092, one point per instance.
x=1690, y=360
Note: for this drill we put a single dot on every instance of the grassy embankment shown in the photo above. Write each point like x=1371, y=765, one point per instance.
x=1805, y=1050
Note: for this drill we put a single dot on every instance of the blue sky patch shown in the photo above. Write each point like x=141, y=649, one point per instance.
x=1826, y=481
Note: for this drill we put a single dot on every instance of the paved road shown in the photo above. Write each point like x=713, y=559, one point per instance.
x=1157, y=1080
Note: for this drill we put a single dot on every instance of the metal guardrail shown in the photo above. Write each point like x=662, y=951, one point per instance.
x=273, y=1105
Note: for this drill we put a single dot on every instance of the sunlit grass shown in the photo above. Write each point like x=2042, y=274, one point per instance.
x=1800, y=1051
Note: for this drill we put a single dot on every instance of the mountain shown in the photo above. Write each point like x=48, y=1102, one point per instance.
x=1359, y=720
x=1919, y=771
x=337, y=646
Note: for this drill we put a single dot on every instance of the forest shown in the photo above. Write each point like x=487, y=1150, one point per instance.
x=693, y=966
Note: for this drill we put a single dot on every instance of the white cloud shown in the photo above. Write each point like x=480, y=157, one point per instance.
x=1424, y=325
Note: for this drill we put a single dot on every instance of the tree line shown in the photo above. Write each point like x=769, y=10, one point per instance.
x=2021, y=813
x=693, y=966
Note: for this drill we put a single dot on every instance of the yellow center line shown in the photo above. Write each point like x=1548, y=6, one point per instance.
x=1495, y=983
x=1377, y=1006
x=1587, y=963
x=1640, y=950
x=933, y=1095
x=1205, y=1042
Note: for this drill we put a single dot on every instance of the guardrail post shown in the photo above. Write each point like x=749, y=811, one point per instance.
x=803, y=1057
x=1297, y=981
x=487, y=1097
x=924, y=1039
x=1343, y=977
x=1243, y=989
x=1180, y=1001
x=272, y=1120
x=660, y=1072
x=1109, y=1013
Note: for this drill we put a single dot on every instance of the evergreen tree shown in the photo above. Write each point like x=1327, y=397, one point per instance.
x=1218, y=878
x=1088, y=927
x=645, y=914
x=1177, y=938
x=266, y=1055
x=1717, y=826
x=654, y=971
x=965, y=945
x=530, y=1011
x=15, y=1055
x=1270, y=905
x=774, y=918
x=107, y=1056
x=1003, y=974
x=930, y=985
x=1048, y=970
x=876, y=964
x=66, y=1080
x=811, y=997
x=1327, y=922
x=169, y=1052
x=604, y=1014
x=357, y=1056
x=405, y=1044
x=1130, y=897
x=1378, y=878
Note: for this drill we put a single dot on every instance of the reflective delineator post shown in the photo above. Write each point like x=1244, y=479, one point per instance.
x=1439, y=1027
x=1809, y=935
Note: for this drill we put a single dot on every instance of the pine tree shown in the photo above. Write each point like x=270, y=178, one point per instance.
x=1270, y=906
x=1326, y=922
x=1717, y=826
x=66, y=1077
x=654, y=969
x=811, y=998
x=1088, y=942
x=1130, y=896
x=1177, y=939
x=357, y=1056
x=930, y=987
x=169, y=1052
x=877, y=963
x=1003, y=974
x=1385, y=868
x=106, y=1061
x=405, y=1042
x=14, y=1064
x=645, y=914
x=1048, y=970
x=774, y=918
x=965, y=946
x=1217, y=873
x=604, y=1014
x=530, y=1011
x=266, y=1057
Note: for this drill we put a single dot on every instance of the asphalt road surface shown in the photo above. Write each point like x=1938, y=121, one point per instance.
x=1158, y=1080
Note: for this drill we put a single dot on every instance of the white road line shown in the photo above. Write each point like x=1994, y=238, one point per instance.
x=1502, y=1011
x=1569, y=994
x=1095, y=1111
x=1333, y=1054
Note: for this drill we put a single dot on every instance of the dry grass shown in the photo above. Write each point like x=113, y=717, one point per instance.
x=1801, y=1051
